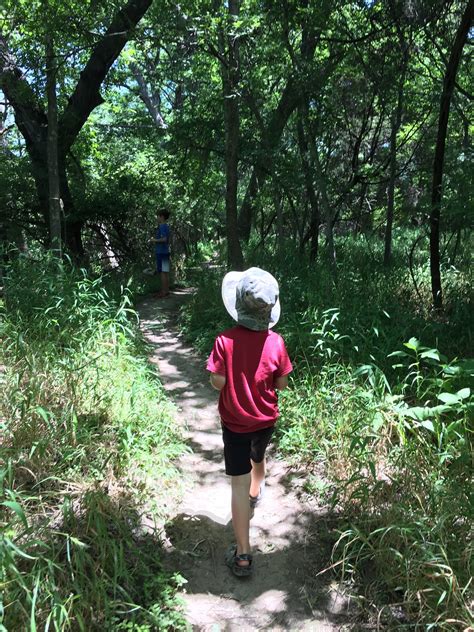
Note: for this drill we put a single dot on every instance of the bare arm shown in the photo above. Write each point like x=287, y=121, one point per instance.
x=218, y=381
x=281, y=382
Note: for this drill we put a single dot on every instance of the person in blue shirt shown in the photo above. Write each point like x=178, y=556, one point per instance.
x=162, y=252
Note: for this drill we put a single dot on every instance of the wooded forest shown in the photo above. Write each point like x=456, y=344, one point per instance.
x=328, y=142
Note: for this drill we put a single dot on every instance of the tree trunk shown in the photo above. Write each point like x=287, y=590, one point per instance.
x=149, y=96
x=230, y=80
x=4, y=130
x=271, y=137
x=396, y=123
x=246, y=210
x=290, y=99
x=327, y=211
x=438, y=163
x=32, y=121
x=277, y=201
x=320, y=177
x=308, y=171
x=86, y=96
x=72, y=226
x=52, y=152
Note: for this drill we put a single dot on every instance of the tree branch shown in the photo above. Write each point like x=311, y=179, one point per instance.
x=147, y=97
x=29, y=115
x=86, y=96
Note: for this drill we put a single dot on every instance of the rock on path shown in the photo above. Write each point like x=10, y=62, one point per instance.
x=287, y=534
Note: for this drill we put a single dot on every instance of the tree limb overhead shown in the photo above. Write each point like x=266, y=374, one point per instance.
x=86, y=96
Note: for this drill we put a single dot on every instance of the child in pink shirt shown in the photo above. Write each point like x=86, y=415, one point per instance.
x=247, y=364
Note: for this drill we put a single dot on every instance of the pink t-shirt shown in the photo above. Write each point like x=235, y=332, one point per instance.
x=250, y=361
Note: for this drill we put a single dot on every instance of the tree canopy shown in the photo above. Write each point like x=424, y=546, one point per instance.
x=333, y=122
x=329, y=142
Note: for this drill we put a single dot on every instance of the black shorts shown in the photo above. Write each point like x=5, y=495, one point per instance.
x=240, y=447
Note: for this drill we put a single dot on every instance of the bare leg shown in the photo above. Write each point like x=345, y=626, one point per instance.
x=257, y=476
x=165, y=283
x=240, y=513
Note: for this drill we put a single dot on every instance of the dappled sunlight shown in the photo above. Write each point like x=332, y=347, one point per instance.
x=283, y=593
x=289, y=538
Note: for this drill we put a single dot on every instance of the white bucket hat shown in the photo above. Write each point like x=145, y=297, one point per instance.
x=251, y=298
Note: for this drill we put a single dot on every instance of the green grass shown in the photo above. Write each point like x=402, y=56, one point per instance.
x=88, y=448
x=381, y=395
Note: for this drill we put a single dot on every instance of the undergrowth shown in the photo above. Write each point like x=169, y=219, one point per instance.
x=381, y=396
x=87, y=440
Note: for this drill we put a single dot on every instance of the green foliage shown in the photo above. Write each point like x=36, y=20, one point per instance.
x=81, y=563
x=17, y=194
x=389, y=418
x=205, y=315
x=407, y=495
x=381, y=385
x=86, y=429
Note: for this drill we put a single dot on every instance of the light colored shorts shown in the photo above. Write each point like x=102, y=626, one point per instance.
x=162, y=262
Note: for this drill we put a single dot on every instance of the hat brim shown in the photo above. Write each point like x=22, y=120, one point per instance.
x=229, y=285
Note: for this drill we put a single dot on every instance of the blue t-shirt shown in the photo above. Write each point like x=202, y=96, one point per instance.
x=163, y=248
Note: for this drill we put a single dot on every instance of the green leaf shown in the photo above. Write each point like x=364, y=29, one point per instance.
x=416, y=412
x=452, y=370
x=19, y=551
x=377, y=422
x=43, y=413
x=464, y=393
x=413, y=343
x=467, y=366
x=364, y=369
x=449, y=398
x=420, y=413
x=428, y=425
x=17, y=508
x=33, y=605
x=78, y=543
x=455, y=426
x=432, y=354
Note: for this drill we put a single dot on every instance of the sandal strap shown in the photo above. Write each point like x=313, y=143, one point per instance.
x=244, y=557
x=254, y=500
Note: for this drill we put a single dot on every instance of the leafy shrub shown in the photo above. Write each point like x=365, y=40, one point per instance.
x=88, y=441
x=391, y=422
x=407, y=496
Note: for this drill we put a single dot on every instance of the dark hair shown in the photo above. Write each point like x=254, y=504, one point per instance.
x=164, y=213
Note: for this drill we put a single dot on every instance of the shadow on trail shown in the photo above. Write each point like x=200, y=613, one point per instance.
x=285, y=588
x=210, y=454
x=291, y=539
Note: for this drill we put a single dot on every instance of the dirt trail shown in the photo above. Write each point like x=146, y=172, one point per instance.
x=287, y=534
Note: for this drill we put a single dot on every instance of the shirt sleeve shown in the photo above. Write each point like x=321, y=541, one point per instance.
x=216, y=361
x=285, y=365
x=165, y=231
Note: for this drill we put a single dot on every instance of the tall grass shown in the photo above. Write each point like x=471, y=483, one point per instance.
x=88, y=444
x=381, y=396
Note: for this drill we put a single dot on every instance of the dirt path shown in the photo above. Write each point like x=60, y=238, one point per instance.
x=287, y=533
